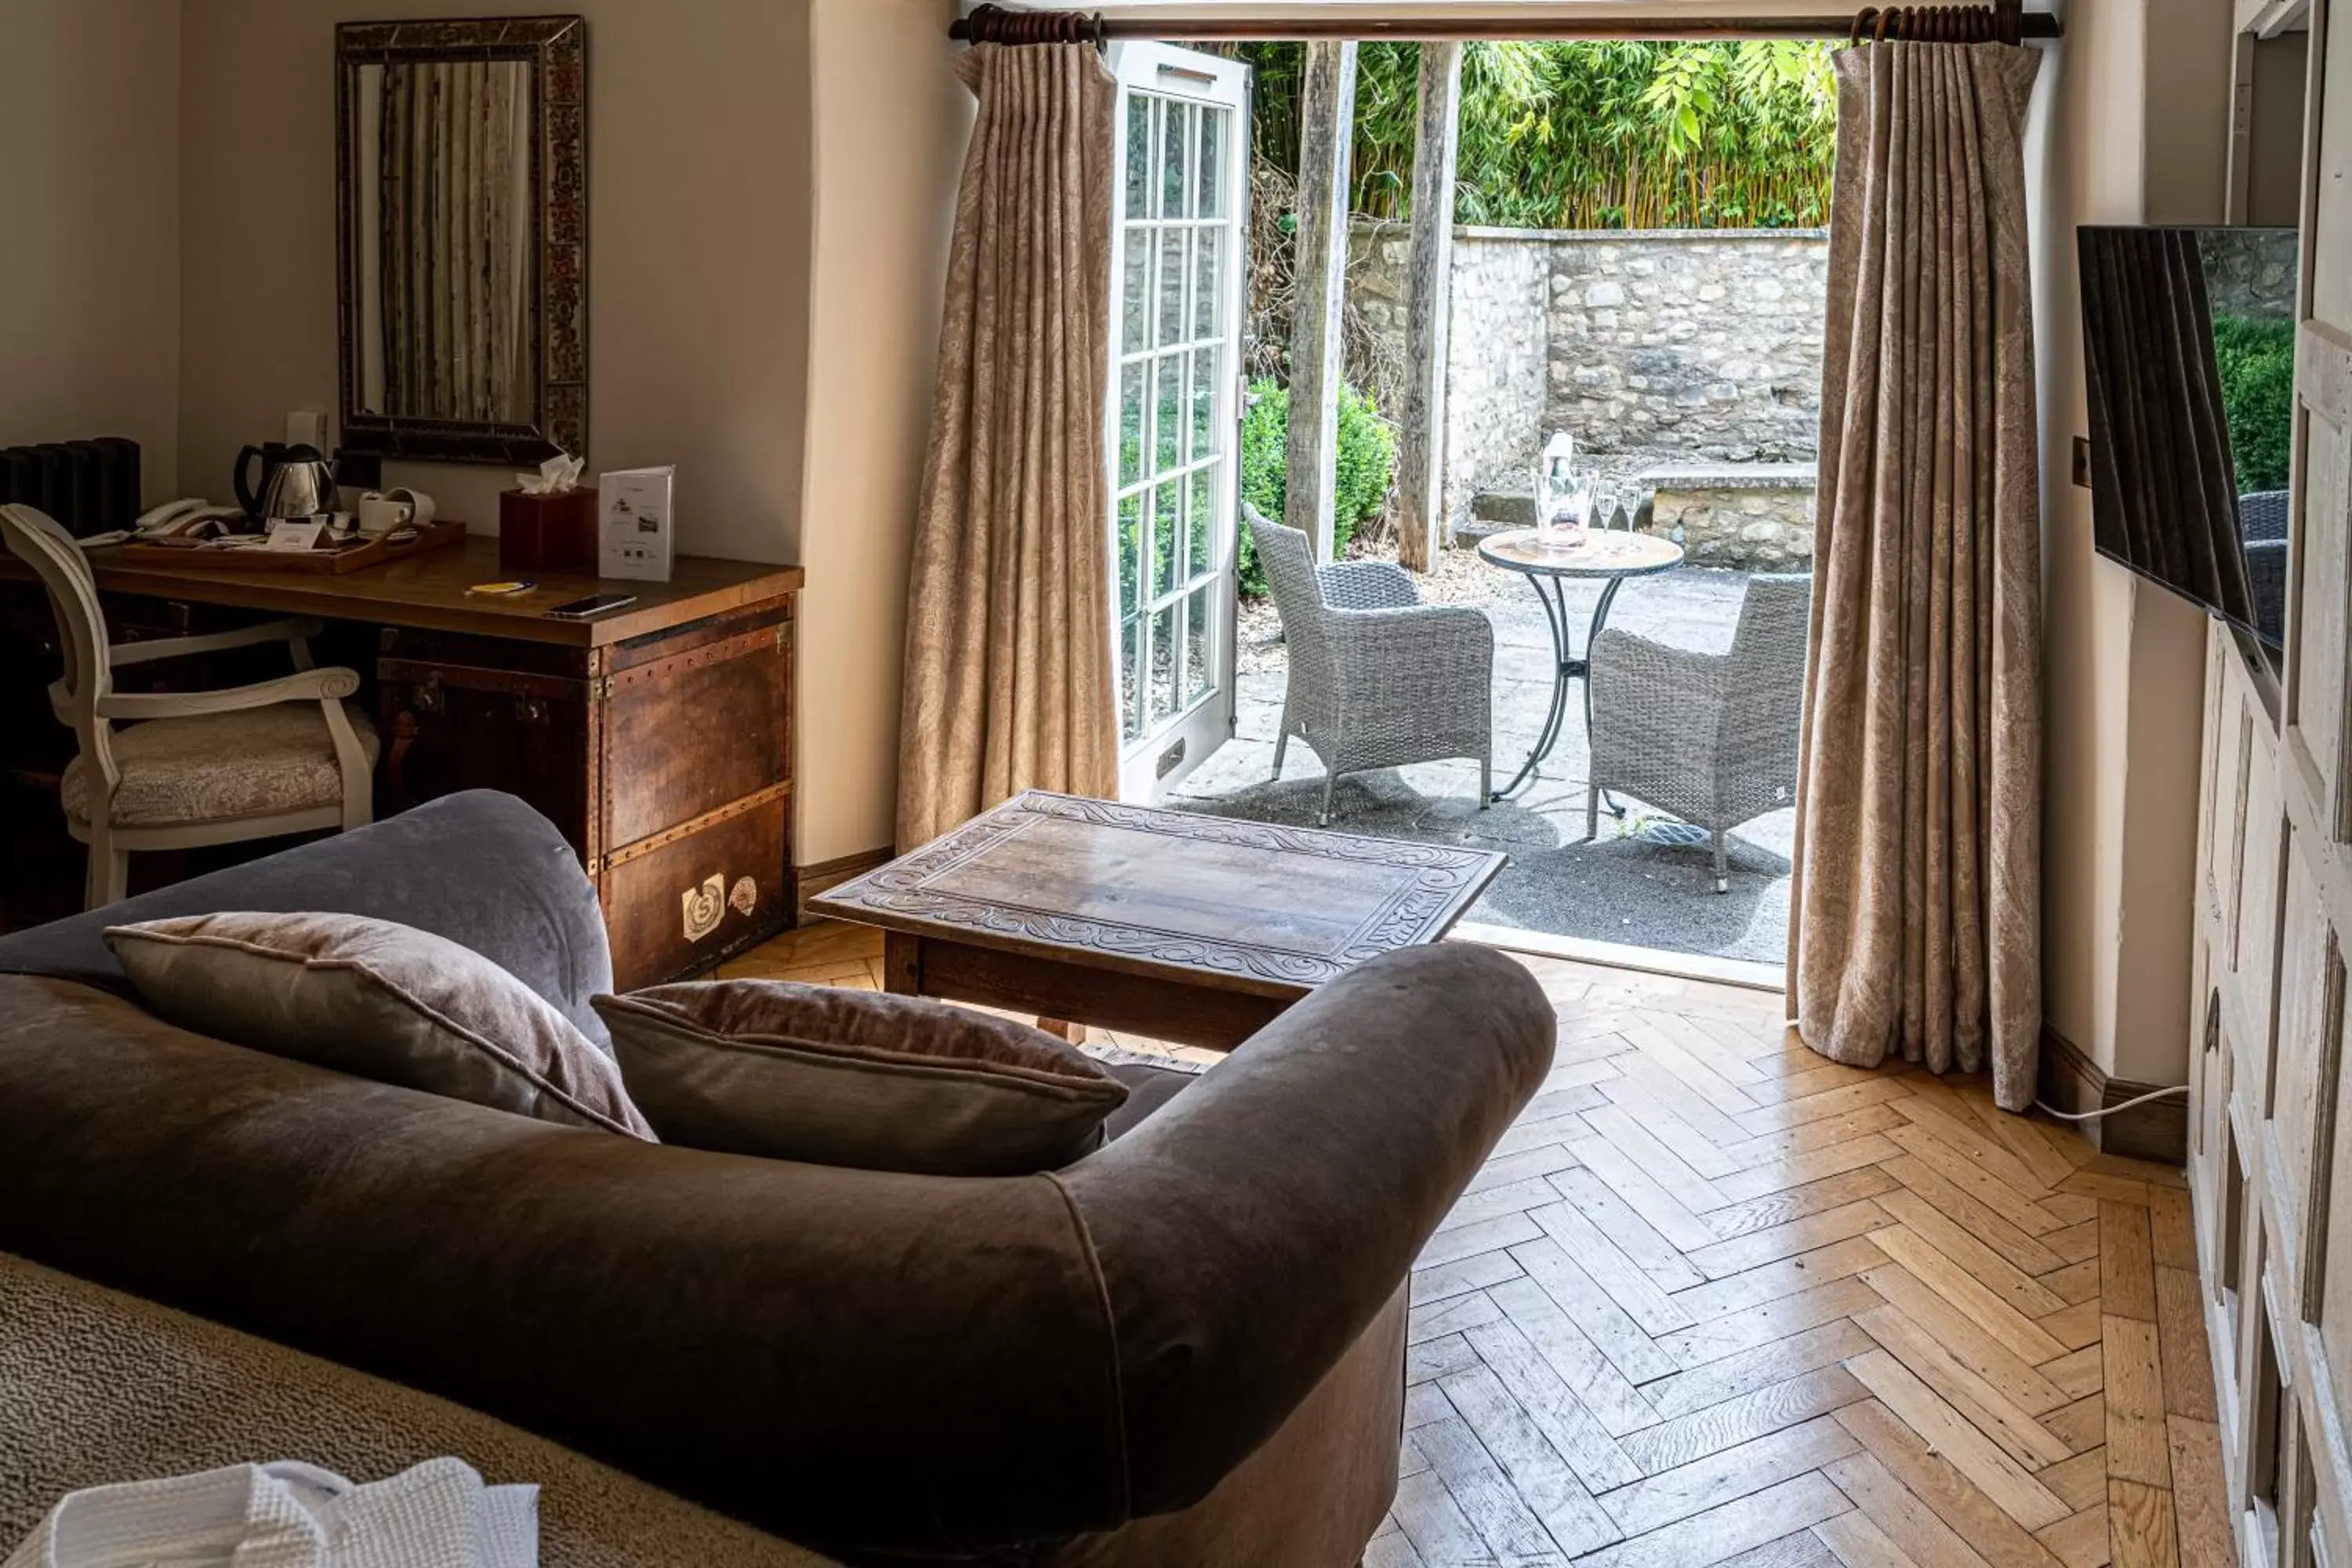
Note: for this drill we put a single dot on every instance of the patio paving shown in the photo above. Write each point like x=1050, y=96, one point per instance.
x=1628, y=887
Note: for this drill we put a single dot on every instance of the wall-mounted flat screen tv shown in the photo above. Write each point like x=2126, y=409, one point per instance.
x=2189, y=348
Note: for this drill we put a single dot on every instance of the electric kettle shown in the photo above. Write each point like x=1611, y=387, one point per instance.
x=296, y=481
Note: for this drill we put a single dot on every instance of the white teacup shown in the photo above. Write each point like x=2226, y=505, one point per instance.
x=380, y=512
x=379, y=515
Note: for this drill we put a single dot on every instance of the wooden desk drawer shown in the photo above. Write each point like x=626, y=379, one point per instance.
x=684, y=900
x=705, y=719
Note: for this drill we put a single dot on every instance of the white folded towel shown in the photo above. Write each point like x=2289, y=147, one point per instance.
x=288, y=1515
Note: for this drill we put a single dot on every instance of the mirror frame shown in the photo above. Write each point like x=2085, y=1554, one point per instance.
x=557, y=48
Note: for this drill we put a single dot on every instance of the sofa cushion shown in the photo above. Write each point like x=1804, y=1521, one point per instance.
x=479, y=868
x=378, y=1000
x=1149, y=1086
x=855, y=1078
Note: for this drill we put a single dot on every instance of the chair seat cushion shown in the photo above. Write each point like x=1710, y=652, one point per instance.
x=219, y=767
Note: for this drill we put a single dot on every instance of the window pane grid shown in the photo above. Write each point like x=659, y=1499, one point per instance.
x=1171, y=370
x=1175, y=473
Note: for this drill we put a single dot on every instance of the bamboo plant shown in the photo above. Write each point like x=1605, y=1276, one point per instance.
x=1590, y=134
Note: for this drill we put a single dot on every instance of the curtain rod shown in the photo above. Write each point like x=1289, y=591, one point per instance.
x=1066, y=27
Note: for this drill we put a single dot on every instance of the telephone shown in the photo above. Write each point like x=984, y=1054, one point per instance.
x=193, y=518
x=191, y=522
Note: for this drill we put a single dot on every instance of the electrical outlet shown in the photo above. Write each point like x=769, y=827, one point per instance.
x=307, y=428
x=2083, y=461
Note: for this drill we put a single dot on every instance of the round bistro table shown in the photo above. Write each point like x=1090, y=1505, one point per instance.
x=1606, y=556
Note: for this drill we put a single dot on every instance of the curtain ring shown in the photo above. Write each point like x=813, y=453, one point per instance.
x=1889, y=20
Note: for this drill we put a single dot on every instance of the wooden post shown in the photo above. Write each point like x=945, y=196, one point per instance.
x=1421, y=443
x=1326, y=133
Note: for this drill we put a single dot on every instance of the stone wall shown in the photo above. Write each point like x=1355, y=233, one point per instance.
x=2251, y=271
x=1702, y=343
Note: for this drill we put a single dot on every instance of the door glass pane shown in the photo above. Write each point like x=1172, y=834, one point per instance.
x=1163, y=661
x=1197, y=644
x=1139, y=157
x=1173, y=272
x=1131, y=409
x=1166, y=524
x=1212, y=180
x=1130, y=643
x=1135, y=318
x=1176, y=160
x=1130, y=551
x=1169, y=436
x=1175, y=425
x=1208, y=291
x=1204, y=404
x=1201, y=524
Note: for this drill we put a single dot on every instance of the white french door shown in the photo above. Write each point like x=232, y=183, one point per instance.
x=1175, y=405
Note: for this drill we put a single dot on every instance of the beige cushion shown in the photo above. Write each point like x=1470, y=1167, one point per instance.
x=219, y=767
x=855, y=1078
x=376, y=1000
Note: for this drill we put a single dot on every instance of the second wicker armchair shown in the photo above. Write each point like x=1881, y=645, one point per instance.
x=1377, y=679
x=1711, y=738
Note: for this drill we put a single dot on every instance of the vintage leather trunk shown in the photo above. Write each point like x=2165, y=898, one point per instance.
x=665, y=759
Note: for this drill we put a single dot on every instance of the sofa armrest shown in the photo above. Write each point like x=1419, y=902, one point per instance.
x=481, y=868
x=1250, y=1230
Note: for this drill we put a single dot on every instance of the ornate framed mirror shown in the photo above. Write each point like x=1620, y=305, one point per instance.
x=461, y=187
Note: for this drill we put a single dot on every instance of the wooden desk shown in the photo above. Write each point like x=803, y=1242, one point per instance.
x=1200, y=929
x=428, y=591
x=659, y=738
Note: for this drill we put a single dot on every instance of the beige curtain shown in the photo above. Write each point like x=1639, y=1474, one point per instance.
x=1009, y=683
x=1915, y=921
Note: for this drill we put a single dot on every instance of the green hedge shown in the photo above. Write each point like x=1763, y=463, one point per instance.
x=1366, y=470
x=2257, y=363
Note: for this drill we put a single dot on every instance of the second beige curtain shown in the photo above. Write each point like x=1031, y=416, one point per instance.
x=1009, y=683
x=1915, y=921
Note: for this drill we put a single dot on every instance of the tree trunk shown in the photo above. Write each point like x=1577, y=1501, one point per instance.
x=1327, y=130
x=1420, y=445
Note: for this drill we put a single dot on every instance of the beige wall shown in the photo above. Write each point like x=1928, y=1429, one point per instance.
x=2137, y=132
x=2274, y=162
x=699, y=202
x=891, y=125
x=90, y=252
x=698, y=242
x=171, y=277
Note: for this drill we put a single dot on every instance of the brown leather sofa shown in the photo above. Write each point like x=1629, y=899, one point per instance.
x=1185, y=1349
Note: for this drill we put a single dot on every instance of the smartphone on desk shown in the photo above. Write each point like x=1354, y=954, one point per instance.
x=595, y=604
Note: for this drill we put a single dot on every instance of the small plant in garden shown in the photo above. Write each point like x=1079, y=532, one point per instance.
x=2257, y=364
x=1367, y=468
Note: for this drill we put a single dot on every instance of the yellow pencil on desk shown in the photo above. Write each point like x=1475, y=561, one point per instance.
x=501, y=590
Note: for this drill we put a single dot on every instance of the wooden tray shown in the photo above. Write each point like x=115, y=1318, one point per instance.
x=352, y=557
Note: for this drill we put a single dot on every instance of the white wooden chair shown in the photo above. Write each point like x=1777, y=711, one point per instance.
x=196, y=767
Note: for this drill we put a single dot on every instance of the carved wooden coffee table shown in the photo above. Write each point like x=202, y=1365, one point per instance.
x=1196, y=930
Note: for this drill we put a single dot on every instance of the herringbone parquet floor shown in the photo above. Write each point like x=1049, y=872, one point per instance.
x=1715, y=1300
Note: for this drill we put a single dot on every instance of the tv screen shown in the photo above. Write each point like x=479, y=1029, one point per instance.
x=2189, y=352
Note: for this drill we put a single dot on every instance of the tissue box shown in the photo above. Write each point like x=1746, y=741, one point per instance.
x=547, y=533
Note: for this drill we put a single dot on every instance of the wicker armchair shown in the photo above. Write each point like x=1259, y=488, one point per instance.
x=1377, y=679
x=1711, y=738
x=2262, y=522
